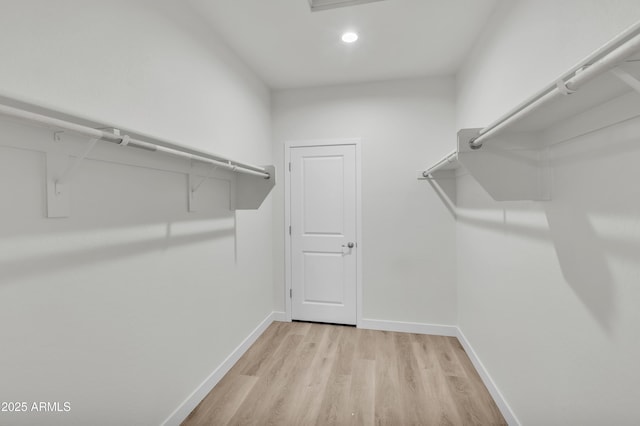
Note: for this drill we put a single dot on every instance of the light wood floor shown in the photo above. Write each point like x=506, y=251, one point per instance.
x=317, y=374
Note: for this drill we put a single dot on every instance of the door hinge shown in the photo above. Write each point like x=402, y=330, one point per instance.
x=289, y=165
x=290, y=293
x=289, y=229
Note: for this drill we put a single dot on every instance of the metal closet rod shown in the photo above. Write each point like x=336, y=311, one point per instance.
x=604, y=59
x=157, y=145
x=449, y=158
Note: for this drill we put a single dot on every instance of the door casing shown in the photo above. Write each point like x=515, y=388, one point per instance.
x=287, y=216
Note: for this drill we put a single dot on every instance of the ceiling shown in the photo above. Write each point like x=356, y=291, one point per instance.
x=289, y=46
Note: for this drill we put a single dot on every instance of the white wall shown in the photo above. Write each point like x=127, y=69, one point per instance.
x=408, y=251
x=548, y=292
x=124, y=308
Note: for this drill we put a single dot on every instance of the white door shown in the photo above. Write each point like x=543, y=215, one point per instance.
x=323, y=233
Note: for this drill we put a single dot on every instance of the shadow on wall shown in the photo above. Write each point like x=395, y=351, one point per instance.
x=579, y=250
x=592, y=169
x=581, y=257
x=44, y=264
x=592, y=219
x=119, y=211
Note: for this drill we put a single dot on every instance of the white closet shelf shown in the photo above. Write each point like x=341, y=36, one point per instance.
x=551, y=107
x=509, y=158
x=251, y=186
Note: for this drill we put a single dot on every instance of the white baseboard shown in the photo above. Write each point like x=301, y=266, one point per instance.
x=505, y=409
x=205, y=387
x=409, y=327
x=279, y=316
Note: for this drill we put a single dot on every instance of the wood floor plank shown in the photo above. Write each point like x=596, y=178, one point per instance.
x=251, y=363
x=439, y=405
x=346, y=350
x=291, y=385
x=447, y=358
x=366, y=345
x=425, y=352
x=472, y=394
x=219, y=407
x=262, y=397
x=320, y=374
x=303, y=328
x=362, y=396
x=388, y=410
x=411, y=385
x=333, y=410
x=297, y=394
x=317, y=377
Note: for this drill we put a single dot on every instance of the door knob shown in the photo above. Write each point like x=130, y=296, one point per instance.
x=349, y=245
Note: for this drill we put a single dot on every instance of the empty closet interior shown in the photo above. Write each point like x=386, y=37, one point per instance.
x=182, y=180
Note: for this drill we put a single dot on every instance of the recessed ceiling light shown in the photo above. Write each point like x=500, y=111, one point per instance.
x=349, y=37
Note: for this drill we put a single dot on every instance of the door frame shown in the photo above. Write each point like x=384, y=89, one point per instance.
x=287, y=216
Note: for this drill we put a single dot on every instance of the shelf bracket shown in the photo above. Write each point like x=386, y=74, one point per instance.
x=68, y=173
x=626, y=78
x=60, y=170
x=193, y=186
x=58, y=194
x=209, y=175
